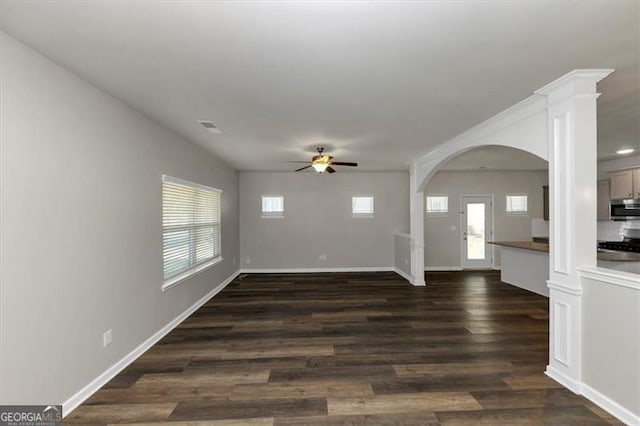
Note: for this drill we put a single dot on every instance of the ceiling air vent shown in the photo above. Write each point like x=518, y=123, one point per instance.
x=210, y=126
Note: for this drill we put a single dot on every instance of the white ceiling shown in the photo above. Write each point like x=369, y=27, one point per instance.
x=375, y=82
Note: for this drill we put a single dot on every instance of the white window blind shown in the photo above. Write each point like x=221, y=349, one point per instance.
x=362, y=206
x=272, y=206
x=190, y=225
x=516, y=203
x=437, y=204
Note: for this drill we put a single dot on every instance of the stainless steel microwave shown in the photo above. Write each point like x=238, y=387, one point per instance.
x=625, y=209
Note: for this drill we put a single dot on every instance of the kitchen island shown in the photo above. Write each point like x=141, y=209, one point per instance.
x=525, y=264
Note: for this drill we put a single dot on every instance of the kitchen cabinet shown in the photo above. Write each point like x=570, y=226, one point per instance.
x=603, y=200
x=545, y=202
x=625, y=184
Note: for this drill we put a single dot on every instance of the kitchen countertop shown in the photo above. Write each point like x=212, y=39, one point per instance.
x=606, y=255
x=526, y=245
x=618, y=256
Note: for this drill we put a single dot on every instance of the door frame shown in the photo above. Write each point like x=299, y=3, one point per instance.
x=490, y=248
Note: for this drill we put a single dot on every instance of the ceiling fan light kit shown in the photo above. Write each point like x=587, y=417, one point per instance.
x=320, y=167
x=322, y=163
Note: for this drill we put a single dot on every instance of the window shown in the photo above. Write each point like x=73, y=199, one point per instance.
x=516, y=203
x=190, y=229
x=362, y=206
x=438, y=204
x=272, y=206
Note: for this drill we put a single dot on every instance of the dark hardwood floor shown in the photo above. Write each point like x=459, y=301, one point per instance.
x=350, y=349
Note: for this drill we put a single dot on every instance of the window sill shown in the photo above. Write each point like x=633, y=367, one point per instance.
x=272, y=216
x=362, y=216
x=437, y=214
x=174, y=281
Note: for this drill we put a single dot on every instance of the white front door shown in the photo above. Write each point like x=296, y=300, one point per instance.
x=476, y=230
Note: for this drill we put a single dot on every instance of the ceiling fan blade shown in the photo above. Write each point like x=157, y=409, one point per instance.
x=343, y=163
x=297, y=162
x=302, y=168
x=330, y=169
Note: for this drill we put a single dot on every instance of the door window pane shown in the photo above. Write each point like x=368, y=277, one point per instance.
x=475, y=231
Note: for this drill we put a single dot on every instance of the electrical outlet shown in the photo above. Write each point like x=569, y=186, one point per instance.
x=234, y=261
x=107, y=338
x=323, y=257
x=248, y=261
x=406, y=262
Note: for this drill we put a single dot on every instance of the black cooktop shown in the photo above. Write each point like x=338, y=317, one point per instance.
x=626, y=245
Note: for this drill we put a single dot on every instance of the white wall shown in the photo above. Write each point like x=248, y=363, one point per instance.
x=317, y=219
x=442, y=233
x=611, y=342
x=81, y=228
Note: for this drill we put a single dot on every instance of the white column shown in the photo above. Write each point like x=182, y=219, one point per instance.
x=571, y=107
x=416, y=213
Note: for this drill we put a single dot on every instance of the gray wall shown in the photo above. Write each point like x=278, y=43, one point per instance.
x=442, y=234
x=317, y=219
x=611, y=342
x=81, y=228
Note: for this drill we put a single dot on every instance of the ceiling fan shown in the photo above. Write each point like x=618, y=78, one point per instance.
x=323, y=162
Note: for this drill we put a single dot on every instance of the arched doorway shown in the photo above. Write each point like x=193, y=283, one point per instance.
x=556, y=123
x=485, y=195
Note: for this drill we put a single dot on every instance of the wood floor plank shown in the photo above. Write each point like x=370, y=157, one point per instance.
x=531, y=381
x=212, y=377
x=88, y=414
x=426, y=418
x=349, y=349
x=200, y=365
x=228, y=422
x=438, y=383
x=413, y=370
x=560, y=416
x=146, y=395
x=403, y=403
x=178, y=353
x=224, y=409
x=528, y=398
x=366, y=373
x=313, y=389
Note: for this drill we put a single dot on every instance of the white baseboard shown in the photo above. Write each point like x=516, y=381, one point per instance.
x=320, y=270
x=607, y=404
x=604, y=402
x=315, y=270
x=442, y=268
x=454, y=268
x=566, y=381
x=402, y=274
x=83, y=394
